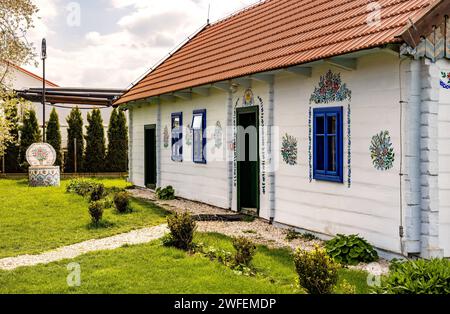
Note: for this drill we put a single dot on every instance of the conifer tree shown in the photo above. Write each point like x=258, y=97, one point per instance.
x=12, y=148
x=94, y=156
x=117, y=157
x=53, y=135
x=74, y=135
x=29, y=133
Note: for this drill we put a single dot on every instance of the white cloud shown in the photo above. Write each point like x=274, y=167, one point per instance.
x=148, y=31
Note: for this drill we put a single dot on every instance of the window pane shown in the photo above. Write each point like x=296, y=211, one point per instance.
x=198, y=145
x=176, y=123
x=332, y=162
x=331, y=124
x=197, y=122
x=320, y=125
x=320, y=151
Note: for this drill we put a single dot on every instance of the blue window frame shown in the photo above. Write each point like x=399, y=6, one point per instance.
x=199, y=136
x=177, y=136
x=328, y=144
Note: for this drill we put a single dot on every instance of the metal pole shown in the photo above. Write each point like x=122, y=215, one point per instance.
x=44, y=56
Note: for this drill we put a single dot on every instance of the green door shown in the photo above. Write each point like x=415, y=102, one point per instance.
x=247, y=146
x=150, y=156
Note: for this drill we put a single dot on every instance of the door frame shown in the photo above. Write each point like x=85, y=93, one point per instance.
x=244, y=110
x=146, y=165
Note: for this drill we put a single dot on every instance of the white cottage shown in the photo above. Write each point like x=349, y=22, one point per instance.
x=327, y=116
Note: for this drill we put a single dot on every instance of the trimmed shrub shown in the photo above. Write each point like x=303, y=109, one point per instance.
x=168, y=193
x=245, y=250
x=417, y=277
x=81, y=187
x=351, y=250
x=96, y=211
x=317, y=272
x=97, y=192
x=122, y=202
x=182, y=228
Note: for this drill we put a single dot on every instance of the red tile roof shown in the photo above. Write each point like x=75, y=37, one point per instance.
x=275, y=34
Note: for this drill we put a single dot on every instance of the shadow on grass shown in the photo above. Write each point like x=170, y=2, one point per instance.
x=103, y=224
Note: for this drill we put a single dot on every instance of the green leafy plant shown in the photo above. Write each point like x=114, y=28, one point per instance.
x=317, y=272
x=182, y=228
x=96, y=209
x=97, y=192
x=346, y=288
x=167, y=193
x=291, y=235
x=81, y=187
x=245, y=250
x=122, y=202
x=351, y=249
x=416, y=277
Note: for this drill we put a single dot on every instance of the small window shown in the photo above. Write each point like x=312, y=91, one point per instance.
x=328, y=144
x=177, y=136
x=199, y=136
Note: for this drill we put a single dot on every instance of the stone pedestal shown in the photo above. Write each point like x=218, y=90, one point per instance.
x=44, y=176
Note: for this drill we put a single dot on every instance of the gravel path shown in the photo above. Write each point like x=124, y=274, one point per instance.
x=134, y=237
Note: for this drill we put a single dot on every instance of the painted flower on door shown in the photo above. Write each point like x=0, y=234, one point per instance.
x=382, y=151
x=188, y=135
x=166, y=137
x=289, y=149
x=330, y=89
x=445, y=80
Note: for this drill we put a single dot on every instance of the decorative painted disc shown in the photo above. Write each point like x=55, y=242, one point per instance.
x=41, y=154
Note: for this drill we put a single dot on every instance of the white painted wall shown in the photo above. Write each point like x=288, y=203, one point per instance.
x=444, y=163
x=370, y=207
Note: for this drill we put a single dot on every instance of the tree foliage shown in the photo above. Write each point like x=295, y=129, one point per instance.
x=53, y=135
x=74, y=135
x=94, y=156
x=117, y=157
x=29, y=133
x=16, y=19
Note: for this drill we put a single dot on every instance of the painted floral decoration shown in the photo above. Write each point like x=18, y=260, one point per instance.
x=289, y=150
x=40, y=154
x=248, y=97
x=166, y=137
x=218, y=134
x=330, y=89
x=382, y=152
x=445, y=80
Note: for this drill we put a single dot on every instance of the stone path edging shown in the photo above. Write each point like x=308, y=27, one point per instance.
x=139, y=236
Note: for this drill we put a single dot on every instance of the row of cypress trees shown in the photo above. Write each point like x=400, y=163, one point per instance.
x=91, y=153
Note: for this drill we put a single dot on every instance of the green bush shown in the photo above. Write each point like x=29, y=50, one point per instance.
x=182, y=228
x=122, y=202
x=351, y=250
x=167, y=193
x=81, y=187
x=97, y=192
x=317, y=272
x=291, y=235
x=245, y=250
x=417, y=277
x=96, y=211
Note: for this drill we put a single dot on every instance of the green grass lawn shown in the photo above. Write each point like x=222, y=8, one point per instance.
x=34, y=220
x=152, y=268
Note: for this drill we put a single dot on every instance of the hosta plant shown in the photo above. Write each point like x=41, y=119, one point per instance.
x=351, y=249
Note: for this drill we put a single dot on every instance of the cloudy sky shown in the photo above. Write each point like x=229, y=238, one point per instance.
x=110, y=43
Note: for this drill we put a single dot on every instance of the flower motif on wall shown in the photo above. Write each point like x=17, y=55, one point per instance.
x=382, y=152
x=289, y=150
x=40, y=153
x=218, y=134
x=330, y=89
x=166, y=137
x=249, y=99
x=445, y=80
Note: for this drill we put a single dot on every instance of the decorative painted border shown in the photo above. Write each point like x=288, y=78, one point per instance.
x=263, y=145
x=310, y=167
x=349, y=146
x=289, y=149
